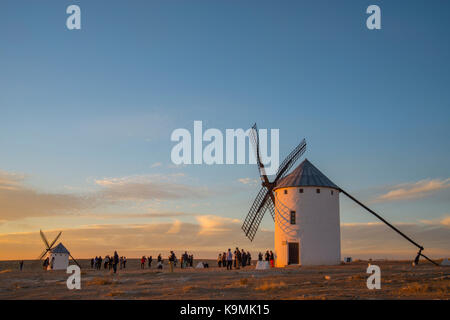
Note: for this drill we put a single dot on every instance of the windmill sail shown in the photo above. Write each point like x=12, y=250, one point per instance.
x=265, y=199
x=262, y=202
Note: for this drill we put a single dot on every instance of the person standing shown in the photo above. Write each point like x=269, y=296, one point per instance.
x=219, y=260
x=249, y=258
x=99, y=262
x=224, y=260
x=186, y=259
x=171, y=260
x=124, y=262
x=229, y=260
x=46, y=263
x=272, y=259
x=116, y=261
x=160, y=262
x=150, y=259
x=238, y=258
x=21, y=265
x=260, y=256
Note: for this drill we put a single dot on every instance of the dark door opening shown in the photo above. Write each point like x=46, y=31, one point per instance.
x=293, y=253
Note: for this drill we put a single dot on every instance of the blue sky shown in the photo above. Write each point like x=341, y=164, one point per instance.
x=79, y=107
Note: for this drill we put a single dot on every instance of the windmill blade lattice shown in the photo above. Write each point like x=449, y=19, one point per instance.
x=265, y=199
x=44, y=239
x=256, y=213
x=290, y=160
x=57, y=237
x=254, y=138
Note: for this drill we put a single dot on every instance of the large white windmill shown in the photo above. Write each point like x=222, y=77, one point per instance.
x=304, y=205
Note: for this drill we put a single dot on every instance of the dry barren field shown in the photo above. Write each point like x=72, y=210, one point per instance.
x=399, y=280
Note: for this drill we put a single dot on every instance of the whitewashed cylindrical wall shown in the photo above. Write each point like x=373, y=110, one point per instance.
x=316, y=229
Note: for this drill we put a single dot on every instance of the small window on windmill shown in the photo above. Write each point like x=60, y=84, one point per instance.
x=317, y=190
x=292, y=217
x=300, y=190
x=285, y=191
x=331, y=192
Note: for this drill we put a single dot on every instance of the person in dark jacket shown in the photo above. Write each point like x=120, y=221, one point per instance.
x=224, y=260
x=99, y=262
x=46, y=263
x=115, y=261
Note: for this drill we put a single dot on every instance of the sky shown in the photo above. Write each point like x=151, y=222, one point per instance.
x=86, y=118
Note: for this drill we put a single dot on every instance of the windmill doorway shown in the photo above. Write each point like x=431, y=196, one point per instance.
x=293, y=253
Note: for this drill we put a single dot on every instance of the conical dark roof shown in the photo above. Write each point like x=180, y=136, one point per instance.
x=306, y=175
x=60, y=249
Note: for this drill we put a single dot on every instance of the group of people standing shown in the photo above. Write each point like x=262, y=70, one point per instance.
x=268, y=256
x=187, y=260
x=144, y=260
x=238, y=258
x=241, y=258
x=110, y=262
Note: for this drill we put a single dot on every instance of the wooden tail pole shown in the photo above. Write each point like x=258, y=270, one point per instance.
x=394, y=228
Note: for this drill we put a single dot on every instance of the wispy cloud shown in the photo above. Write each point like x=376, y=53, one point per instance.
x=156, y=164
x=19, y=201
x=444, y=221
x=10, y=181
x=248, y=181
x=211, y=224
x=175, y=228
x=148, y=187
x=377, y=240
x=416, y=190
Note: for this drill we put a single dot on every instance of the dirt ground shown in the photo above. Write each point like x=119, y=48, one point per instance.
x=399, y=280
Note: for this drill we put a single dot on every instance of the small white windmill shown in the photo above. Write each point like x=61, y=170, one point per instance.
x=58, y=256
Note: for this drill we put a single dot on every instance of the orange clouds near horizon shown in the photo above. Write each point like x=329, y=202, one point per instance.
x=205, y=235
x=361, y=240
